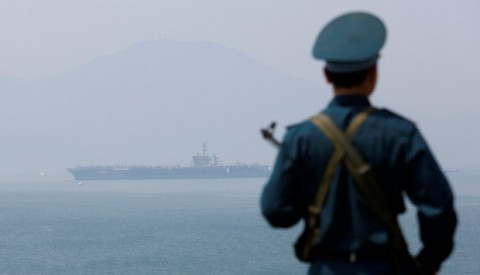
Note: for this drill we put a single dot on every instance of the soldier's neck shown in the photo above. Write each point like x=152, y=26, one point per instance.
x=357, y=90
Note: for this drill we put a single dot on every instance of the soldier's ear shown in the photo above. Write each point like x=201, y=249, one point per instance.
x=327, y=75
x=372, y=74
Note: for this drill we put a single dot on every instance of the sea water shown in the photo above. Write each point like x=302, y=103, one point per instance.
x=61, y=226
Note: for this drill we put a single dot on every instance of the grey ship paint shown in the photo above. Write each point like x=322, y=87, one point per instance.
x=203, y=166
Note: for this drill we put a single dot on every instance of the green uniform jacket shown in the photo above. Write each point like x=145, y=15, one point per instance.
x=402, y=163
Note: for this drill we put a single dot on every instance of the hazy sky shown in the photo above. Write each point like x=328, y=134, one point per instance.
x=39, y=38
x=430, y=43
x=437, y=39
x=429, y=66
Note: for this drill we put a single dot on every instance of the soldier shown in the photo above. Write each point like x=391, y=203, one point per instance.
x=351, y=236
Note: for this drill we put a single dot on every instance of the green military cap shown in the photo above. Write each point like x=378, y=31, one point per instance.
x=350, y=42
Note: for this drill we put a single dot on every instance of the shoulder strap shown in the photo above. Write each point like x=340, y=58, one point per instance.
x=338, y=154
x=358, y=168
x=311, y=232
x=366, y=183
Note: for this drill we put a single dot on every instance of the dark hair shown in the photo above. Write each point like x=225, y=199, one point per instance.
x=346, y=80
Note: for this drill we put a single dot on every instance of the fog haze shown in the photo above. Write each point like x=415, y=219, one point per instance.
x=147, y=82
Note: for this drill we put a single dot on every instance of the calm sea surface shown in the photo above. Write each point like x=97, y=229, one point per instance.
x=58, y=226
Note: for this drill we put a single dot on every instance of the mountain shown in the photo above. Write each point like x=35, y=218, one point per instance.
x=153, y=103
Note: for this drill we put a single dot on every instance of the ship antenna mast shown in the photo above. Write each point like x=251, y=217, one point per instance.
x=204, y=148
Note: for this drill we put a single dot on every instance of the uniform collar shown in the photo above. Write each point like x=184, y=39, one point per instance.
x=350, y=101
